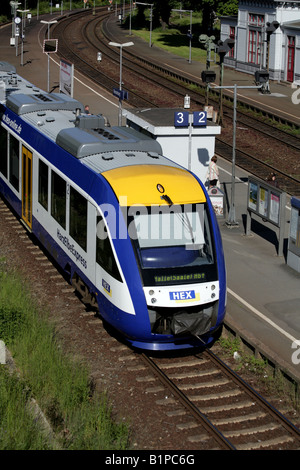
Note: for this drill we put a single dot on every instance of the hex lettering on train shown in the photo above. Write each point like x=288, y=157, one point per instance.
x=182, y=295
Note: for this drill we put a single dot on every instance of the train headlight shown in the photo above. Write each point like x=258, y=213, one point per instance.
x=151, y=292
x=153, y=300
x=213, y=295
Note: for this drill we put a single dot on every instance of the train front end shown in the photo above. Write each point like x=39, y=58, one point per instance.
x=178, y=280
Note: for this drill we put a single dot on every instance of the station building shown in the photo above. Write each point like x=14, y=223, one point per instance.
x=267, y=38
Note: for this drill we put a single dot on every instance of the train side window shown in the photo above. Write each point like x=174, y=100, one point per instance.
x=104, y=253
x=3, y=153
x=78, y=218
x=43, y=184
x=14, y=157
x=58, y=199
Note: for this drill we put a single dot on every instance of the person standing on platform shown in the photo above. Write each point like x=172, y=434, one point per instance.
x=272, y=179
x=213, y=173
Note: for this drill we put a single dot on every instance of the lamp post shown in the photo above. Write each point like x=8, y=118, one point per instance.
x=14, y=6
x=151, y=9
x=116, y=44
x=189, y=35
x=48, y=23
x=22, y=32
x=223, y=48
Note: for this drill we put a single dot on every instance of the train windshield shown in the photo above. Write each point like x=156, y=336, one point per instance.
x=173, y=243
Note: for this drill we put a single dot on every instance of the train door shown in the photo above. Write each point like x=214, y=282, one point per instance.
x=27, y=186
x=291, y=59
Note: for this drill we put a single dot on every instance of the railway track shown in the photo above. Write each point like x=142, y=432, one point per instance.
x=234, y=415
x=255, y=166
x=80, y=49
x=145, y=82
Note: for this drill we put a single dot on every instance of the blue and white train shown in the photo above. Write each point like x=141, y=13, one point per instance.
x=134, y=231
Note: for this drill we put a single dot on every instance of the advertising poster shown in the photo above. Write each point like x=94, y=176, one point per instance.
x=253, y=196
x=294, y=223
x=263, y=202
x=274, y=208
x=66, y=78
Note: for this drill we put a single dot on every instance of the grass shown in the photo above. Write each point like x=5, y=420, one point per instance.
x=79, y=418
x=265, y=375
x=18, y=430
x=174, y=39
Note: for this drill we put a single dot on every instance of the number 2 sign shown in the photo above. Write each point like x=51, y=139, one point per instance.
x=200, y=118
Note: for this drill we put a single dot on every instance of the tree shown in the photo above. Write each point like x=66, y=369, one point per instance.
x=228, y=8
x=5, y=9
x=211, y=8
x=31, y=4
x=162, y=12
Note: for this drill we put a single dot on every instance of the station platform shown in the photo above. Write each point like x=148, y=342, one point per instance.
x=263, y=291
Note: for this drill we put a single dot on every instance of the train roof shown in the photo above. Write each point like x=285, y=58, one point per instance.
x=86, y=137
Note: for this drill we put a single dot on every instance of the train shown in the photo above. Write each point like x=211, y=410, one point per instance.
x=133, y=231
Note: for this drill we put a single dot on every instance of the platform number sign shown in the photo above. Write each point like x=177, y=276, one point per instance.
x=200, y=118
x=181, y=119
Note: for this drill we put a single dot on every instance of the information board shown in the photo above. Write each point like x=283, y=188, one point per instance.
x=268, y=202
x=265, y=200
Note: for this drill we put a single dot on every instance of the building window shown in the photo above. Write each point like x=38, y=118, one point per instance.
x=78, y=218
x=14, y=167
x=255, y=47
x=256, y=25
x=43, y=184
x=3, y=153
x=291, y=58
x=232, y=36
x=256, y=20
x=58, y=199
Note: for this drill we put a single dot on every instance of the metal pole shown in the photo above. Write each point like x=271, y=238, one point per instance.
x=130, y=13
x=48, y=82
x=190, y=51
x=124, y=44
x=48, y=34
x=231, y=215
x=190, y=33
x=151, y=6
x=190, y=142
x=120, y=86
x=150, y=41
x=22, y=31
x=22, y=38
x=220, y=119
